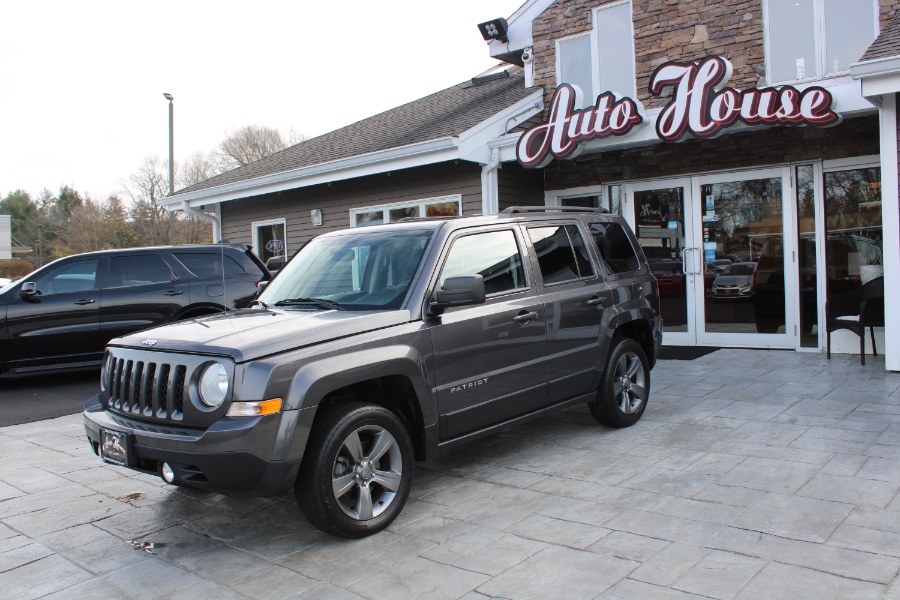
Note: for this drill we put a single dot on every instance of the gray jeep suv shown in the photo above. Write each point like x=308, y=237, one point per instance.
x=379, y=346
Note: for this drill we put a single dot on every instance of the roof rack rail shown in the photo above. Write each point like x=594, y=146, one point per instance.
x=438, y=218
x=543, y=209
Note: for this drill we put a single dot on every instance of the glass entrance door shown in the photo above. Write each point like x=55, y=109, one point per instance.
x=720, y=247
x=661, y=215
x=747, y=249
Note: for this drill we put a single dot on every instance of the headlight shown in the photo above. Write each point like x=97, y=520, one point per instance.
x=213, y=385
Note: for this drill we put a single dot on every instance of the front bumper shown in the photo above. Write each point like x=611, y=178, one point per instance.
x=232, y=457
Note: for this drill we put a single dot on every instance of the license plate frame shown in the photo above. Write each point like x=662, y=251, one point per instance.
x=115, y=447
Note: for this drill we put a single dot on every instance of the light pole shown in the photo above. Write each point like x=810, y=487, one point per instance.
x=170, y=97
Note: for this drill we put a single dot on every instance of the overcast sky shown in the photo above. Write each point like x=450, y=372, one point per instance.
x=81, y=83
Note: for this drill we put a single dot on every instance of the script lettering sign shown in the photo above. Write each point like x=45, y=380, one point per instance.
x=701, y=106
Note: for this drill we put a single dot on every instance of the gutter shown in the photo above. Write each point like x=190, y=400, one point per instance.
x=344, y=168
x=217, y=226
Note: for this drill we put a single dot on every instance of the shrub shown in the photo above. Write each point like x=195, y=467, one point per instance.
x=15, y=268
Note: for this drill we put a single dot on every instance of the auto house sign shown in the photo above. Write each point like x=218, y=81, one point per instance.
x=701, y=106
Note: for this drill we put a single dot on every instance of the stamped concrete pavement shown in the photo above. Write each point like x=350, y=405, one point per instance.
x=753, y=474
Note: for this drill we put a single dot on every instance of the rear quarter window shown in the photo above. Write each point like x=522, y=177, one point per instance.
x=209, y=264
x=615, y=248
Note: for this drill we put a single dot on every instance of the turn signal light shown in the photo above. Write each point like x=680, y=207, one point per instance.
x=254, y=409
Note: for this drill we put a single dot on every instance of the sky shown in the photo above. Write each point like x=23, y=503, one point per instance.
x=81, y=83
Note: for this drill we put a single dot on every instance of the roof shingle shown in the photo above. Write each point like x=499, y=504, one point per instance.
x=442, y=114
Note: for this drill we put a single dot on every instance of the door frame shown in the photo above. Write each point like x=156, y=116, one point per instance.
x=676, y=338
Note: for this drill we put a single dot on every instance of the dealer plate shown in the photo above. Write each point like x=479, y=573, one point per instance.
x=114, y=447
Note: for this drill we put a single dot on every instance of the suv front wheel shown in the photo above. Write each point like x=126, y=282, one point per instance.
x=625, y=387
x=355, y=477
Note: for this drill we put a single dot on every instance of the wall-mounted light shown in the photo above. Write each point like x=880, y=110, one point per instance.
x=316, y=216
x=495, y=29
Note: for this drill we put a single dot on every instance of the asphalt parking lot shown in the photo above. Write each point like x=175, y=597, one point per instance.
x=27, y=399
x=753, y=474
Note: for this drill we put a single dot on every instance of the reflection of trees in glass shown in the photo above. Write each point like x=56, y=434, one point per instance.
x=747, y=211
x=853, y=201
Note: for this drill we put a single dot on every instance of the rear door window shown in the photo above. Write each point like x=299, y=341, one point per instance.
x=137, y=269
x=615, y=248
x=561, y=253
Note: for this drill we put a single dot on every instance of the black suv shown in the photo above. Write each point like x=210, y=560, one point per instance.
x=62, y=315
x=378, y=346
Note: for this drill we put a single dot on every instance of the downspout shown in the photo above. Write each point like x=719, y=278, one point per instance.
x=217, y=226
x=490, y=189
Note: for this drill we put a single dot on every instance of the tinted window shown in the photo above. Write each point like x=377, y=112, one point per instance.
x=615, y=247
x=76, y=276
x=209, y=264
x=138, y=269
x=561, y=253
x=494, y=255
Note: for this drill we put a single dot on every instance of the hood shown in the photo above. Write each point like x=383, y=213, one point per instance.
x=251, y=333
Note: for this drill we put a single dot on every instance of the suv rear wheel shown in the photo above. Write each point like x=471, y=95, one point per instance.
x=625, y=387
x=355, y=477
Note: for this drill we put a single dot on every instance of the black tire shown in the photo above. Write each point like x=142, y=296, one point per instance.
x=339, y=456
x=620, y=403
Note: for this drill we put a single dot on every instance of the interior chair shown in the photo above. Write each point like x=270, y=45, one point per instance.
x=855, y=310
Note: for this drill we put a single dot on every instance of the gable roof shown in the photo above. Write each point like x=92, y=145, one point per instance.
x=887, y=43
x=441, y=115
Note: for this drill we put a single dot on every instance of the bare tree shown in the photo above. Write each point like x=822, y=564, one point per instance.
x=148, y=184
x=198, y=167
x=253, y=142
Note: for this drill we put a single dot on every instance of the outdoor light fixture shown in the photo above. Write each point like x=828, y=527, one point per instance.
x=168, y=96
x=495, y=29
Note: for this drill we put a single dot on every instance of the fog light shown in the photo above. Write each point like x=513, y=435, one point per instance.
x=168, y=474
x=254, y=409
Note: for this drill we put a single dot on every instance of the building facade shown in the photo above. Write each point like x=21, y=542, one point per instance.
x=746, y=142
x=723, y=166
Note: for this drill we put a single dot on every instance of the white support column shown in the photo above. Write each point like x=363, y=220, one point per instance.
x=490, y=187
x=890, y=214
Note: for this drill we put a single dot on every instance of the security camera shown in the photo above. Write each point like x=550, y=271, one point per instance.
x=527, y=55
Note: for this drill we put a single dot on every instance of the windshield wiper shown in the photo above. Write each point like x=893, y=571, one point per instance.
x=260, y=302
x=320, y=302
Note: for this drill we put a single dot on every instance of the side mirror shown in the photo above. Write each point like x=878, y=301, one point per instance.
x=466, y=290
x=28, y=290
x=260, y=286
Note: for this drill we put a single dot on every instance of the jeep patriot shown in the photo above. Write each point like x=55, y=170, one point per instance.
x=379, y=346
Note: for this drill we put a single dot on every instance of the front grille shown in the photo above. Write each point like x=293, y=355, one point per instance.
x=146, y=389
x=155, y=387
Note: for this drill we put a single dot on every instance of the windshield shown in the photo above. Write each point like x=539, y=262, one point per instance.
x=357, y=271
x=738, y=270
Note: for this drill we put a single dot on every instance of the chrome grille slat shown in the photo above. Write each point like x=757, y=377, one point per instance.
x=148, y=389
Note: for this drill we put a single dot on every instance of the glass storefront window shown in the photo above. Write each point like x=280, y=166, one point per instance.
x=270, y=240
x=445, y=206
x=853, y=244
x=806, y=256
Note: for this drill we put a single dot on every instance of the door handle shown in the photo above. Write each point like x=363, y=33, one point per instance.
x=83, y=302
x=595, y=301
x=173, y=293
x=524, y=317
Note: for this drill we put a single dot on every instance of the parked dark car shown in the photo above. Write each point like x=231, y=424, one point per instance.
x=378, y=346
x=62, y=315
